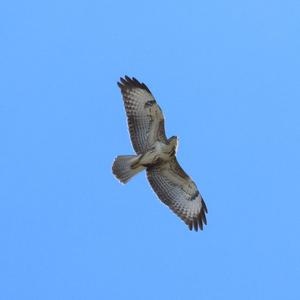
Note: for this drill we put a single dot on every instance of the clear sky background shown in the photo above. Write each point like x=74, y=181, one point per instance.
x=227, y=76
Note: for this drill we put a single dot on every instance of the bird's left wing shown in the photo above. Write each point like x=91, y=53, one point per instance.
x=177, y=190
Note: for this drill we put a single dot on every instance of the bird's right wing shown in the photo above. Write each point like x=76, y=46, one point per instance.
x=145, y=118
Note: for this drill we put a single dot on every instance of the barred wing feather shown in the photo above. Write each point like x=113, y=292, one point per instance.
x=144, y=116
x=177, y=190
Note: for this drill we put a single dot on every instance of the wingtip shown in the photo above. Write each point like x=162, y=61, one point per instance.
x=204, y=206
x=123, y=82
x=196, y=223
x=127, y=82
x=199, y=221
x=204, y=218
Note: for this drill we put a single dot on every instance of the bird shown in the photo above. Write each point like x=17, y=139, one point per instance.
x=156, y=154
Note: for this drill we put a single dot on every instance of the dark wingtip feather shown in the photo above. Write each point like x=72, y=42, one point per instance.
x=200, y=224
x=123, y=81
x=129, y=83
x=204, y=218
x=135, y=81
x=204, y=206
x=197, y=223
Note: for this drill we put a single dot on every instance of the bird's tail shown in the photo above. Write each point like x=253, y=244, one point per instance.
x=126, y=166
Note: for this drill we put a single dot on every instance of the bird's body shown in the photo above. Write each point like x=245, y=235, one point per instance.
x=157, y=155
x=159, y=152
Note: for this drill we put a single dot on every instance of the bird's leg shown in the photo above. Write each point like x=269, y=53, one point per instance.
x=136, y=163
x=147, y=159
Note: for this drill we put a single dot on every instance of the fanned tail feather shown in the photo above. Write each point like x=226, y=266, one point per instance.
x=122, y=167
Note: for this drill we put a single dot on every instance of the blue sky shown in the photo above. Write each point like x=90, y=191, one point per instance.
x=226, y=74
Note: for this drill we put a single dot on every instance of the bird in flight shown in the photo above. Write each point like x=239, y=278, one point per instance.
x=156, y=154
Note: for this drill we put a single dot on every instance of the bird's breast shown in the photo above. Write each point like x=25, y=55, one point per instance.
x=158, y=153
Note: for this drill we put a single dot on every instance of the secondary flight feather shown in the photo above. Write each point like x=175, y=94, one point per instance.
x=156, y=154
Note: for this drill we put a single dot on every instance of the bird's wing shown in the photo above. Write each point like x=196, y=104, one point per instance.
x=145, y=118
x=177, y=190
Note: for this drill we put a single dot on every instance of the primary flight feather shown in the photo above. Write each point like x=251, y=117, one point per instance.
x=156, y=154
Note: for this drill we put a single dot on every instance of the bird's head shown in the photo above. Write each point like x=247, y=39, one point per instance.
x=173, y=140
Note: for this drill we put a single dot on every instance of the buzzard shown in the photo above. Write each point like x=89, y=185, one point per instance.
x=156, y=154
